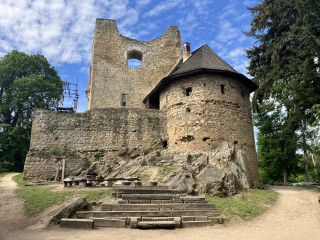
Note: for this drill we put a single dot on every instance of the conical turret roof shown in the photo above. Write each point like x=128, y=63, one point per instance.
x=203, y=58
x=202, y=61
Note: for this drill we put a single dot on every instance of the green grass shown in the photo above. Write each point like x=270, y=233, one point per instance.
x=311, y=187
x=3, y=174
x=246, y=205
x=38, y=198
x=162, y=172
x=165, y=171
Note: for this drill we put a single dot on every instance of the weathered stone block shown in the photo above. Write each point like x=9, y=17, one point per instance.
x=77, y=223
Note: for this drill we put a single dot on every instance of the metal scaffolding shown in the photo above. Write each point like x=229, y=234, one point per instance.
x=68, y=95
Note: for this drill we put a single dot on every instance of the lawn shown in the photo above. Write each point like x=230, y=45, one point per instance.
x=39, y=198
x=245, y=205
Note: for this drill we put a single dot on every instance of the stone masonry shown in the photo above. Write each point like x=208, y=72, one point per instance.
x=186, y=105
x=110, y=77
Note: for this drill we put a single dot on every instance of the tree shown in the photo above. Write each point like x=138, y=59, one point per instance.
x=286, y=70
x=277, y=143
x=26, y=82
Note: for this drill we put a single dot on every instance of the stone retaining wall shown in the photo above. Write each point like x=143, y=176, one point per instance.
x=102, y=135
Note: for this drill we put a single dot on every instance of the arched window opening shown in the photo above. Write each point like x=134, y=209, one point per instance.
x=134, y=59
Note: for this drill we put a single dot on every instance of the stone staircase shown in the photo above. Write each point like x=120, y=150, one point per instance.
x=148, y=207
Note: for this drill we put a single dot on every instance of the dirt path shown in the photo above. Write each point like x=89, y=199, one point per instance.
x=295, y=216
x=11, y=208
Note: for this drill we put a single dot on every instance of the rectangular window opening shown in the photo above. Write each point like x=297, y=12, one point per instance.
x=188, y=91
x=222, y=89
x=123, y=100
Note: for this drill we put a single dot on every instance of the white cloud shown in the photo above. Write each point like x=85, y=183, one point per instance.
x=228, y=32
x=163, y=6
x=61, y=30
x=201, y=6
x=143, y=2
x=235, y=53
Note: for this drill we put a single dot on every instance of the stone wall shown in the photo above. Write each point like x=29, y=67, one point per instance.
x=217, y=110
x=110, y=76
x=104, y=135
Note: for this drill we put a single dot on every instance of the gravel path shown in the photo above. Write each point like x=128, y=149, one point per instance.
x=295, y=216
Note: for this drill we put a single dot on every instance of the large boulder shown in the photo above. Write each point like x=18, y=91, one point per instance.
x=181, y=179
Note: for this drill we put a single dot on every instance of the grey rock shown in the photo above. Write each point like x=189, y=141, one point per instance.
x=181, y=179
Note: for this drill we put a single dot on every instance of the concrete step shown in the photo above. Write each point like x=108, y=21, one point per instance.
x=188, y=224
x=193, y=198
x=150, y=197
x=194, y=218
x=158, y=218
x=172, y=206
x=157, y=224
x=121, y=202
x=77, y=223
x=144, y=187
x=167, y=213
x=120, y=191
x=109, y=222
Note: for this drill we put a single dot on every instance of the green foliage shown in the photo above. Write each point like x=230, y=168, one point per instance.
x=165, y=171
x=284, y=62
x=3, y=174
x=154, y=122
x=55, y=151
x=246, y=205
x=277, y=144
x=14, y=145
x=311, y=187
x=26, y=82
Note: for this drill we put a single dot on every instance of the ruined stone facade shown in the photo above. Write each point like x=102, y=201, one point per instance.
x=112, y=82
x=183, y=105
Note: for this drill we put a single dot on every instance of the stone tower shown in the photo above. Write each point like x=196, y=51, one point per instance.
x=112, y=84
x=207, y=103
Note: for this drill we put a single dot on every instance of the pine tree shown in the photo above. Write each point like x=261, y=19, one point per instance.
x=285, y=69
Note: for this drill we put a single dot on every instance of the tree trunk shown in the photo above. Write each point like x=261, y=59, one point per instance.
x=314, y=161
x=305, y=153
x=285, y=165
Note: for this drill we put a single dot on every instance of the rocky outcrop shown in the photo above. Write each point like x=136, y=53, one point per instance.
x=220, y=173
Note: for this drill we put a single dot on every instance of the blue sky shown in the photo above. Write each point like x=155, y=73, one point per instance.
x=62, y=30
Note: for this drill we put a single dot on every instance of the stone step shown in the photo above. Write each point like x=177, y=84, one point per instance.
x=121, y=187
x=120, y=191
x=167, y=213
x=157, y=224
x=134, y=202
x=172, y=206
x=150, y=197
x=77, y=223
x=109, y=222
x=192, y=198
x=194, y=218
x=189, y=224
x=121, y=202
x=158, y=218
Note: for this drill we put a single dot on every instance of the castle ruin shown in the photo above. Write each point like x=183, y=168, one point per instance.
x=190, y=109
